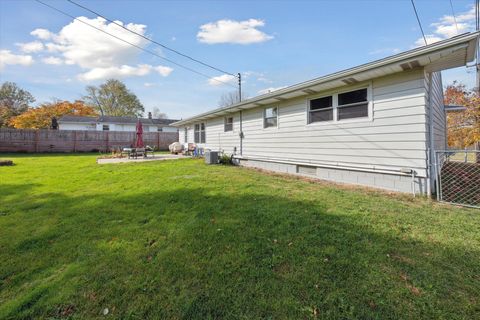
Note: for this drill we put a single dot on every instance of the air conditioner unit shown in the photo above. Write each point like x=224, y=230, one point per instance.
x=211, y=157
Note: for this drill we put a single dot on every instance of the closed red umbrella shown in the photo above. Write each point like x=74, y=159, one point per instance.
x=139, y=143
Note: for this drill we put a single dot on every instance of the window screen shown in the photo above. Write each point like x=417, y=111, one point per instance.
x=228, y=124
x=270, y=117
x=353, y=104
x=321, y=109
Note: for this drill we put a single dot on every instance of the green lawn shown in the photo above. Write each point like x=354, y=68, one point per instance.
x=182, y=240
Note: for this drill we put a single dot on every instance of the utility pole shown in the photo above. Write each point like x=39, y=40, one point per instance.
x=239, y=87
x=241, y=114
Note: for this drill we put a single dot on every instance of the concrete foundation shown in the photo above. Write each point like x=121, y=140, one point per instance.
x=386, y=181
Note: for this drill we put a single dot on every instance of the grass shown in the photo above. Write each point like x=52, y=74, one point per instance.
x=182, y=240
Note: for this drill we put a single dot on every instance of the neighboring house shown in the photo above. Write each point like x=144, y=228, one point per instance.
x=110, y=123
x=377, y=124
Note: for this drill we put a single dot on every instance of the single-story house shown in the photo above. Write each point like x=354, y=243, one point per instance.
x=377, y=124
x=111, y=123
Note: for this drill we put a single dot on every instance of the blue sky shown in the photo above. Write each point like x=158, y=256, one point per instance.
x=272, y=43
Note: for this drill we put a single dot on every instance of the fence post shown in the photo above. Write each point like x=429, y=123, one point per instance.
x=477, y=154
x=36, y=141
x=106, y=141
x=74, y=141
x=158, y=140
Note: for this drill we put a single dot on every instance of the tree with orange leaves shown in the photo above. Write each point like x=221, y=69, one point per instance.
x=41, y=117
x=463, y=126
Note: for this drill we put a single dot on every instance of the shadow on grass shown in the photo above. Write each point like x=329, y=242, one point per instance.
x=206, y=254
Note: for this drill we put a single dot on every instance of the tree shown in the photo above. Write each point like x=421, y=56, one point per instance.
x=114, y=99
x=230, y=98
x=157, y=114
x=13, y=101
x=41, y=117
x=464, y=126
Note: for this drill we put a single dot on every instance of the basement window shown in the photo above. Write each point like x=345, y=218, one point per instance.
x=199, y=133
x=352, y=104
x=228, y=125
x=321, y=109
x=270, y=116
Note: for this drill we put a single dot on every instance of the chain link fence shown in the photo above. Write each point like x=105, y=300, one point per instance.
x=458, y=177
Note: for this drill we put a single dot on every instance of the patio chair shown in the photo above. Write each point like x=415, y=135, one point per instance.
x=149, y=149
x=140, y=152
x=127, y=152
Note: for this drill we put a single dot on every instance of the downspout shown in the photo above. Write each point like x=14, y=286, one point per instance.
x=430, y=146
x=241, y=134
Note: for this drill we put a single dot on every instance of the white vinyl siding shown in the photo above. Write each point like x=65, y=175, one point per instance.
x=391, y=139
x=438, y=112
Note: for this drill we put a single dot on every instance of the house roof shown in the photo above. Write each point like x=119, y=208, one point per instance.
x=118, y=120
x=446, y=54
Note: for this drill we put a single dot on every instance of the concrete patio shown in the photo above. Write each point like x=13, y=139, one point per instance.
x=149, y=158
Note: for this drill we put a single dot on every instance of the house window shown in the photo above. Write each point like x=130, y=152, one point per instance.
x=106, y=127
x=341, y=106
x=352, y=104
x=270, y=117
x=228, y=126
x=159, y=129
x=321, y=109
x=185, y=135
x=199, y=133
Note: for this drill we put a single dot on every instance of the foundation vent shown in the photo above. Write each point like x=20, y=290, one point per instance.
x=307, y=170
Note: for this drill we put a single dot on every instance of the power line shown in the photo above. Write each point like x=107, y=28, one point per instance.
x=454, y=18
x=136, y=46
x=419, y=23
x=151, y=40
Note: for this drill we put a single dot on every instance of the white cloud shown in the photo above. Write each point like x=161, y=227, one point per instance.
x=271, y=89
x=231, y=31
x=89, y=48
x=149, y=84
x=220, y=80
x=446, y=27
x=29, y=47
x=42, y=34
x=123, y=72
x=102, y=56
x=430, y=39
x=52, y=60
x=163, y=71
x=6, y=58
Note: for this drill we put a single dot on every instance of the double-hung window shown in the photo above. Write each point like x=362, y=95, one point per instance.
x=321, y=109
x=106, y=127
x=185, y=135
x=352, y=104
x=199, y=133
x=270, y=116
x=337, y=107
x=228, y=125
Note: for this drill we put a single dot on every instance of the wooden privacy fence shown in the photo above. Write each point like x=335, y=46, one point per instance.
x=26, y=140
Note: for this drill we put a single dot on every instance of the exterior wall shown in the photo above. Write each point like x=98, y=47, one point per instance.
x=399, y=183
x=391, y=140
x=439, y=119
x=113, y=127
x=437, y=128
x=168, y=129
x=76, y=126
